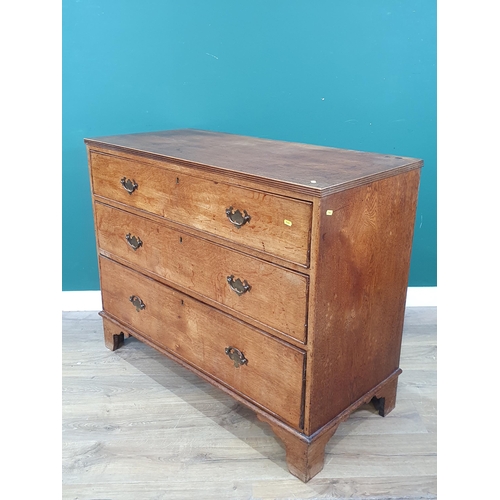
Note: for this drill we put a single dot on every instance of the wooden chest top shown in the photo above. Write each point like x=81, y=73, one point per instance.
x=301, y=168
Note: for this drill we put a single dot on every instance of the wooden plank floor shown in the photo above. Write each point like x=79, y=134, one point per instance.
x=138, y=426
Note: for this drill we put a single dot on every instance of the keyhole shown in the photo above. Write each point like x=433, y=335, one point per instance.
x=180, y=239
x=177, y=180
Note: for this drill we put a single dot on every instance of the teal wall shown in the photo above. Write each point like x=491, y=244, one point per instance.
x=356, y=74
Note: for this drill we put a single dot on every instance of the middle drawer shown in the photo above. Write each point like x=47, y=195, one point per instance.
x=267, y=293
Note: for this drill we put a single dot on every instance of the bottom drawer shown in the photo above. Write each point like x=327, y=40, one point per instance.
x=259, y=367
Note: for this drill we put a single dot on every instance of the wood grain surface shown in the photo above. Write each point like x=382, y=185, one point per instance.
x=202, y=204
x=358, y=292
x=353, y=238
x=303, y=168
x=137, y=426
x=277, y=296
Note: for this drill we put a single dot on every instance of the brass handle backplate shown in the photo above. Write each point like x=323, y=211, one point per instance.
x=236, y=356
x=134, y=241
x=236, y=217
x=138, y=303
x=129, y=185
x=237, y=285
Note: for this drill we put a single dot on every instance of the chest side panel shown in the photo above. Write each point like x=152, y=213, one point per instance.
x=361, y=278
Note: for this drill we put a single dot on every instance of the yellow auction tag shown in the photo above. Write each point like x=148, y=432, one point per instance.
x=329, y=212
x=288, y=222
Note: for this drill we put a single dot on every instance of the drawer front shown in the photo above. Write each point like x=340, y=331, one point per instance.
x=277, y=225
x=199, y=334
x=265, y=292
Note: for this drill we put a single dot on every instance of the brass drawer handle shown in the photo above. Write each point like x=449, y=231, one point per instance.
x=236, y=356
x=138, y=303
x=237, y=286
x=236, y=217
x=129, y=185
x=134, y=241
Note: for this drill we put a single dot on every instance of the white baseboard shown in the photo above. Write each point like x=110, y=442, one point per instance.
x=421, y=296
x=82, y=301
x=425, y=296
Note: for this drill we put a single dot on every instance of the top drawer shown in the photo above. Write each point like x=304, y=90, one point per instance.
x=267, y=222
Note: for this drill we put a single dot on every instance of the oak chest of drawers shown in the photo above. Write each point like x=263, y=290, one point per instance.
x=276, y=271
